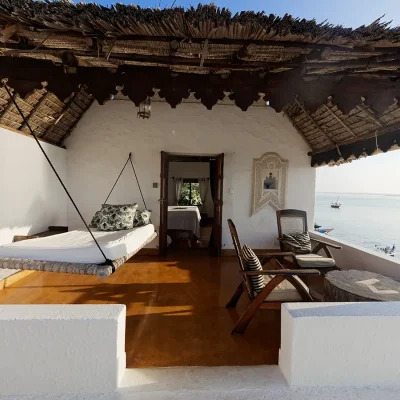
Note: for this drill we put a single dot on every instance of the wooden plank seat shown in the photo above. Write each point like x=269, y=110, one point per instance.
x=101, y=270
x=280, y=285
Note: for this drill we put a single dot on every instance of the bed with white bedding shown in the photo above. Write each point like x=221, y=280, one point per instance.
x=76, y=252
x=185, y=218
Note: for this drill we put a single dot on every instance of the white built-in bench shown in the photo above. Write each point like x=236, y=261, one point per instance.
x=341, y=344
x=61, y=348
x=75, y=349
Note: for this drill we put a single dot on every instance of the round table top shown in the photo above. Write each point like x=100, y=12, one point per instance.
x=368, y=285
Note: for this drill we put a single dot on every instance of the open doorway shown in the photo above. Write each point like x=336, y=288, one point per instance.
x=191, y=202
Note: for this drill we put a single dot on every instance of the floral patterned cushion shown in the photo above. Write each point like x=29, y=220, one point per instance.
x=95, y=220
x=141, y=218
x=117, y=217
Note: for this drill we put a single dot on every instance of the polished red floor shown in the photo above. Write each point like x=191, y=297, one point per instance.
x=176, y=313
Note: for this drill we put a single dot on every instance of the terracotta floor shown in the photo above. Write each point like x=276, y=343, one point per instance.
x=176, y=313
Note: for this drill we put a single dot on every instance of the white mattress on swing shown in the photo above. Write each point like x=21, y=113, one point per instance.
x=78, y=246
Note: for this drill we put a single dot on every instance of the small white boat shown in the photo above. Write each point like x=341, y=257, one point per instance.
x=336, y=204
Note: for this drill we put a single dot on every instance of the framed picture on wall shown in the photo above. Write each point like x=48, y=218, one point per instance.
x=269, y=182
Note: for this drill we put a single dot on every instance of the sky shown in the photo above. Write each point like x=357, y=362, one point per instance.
x=349, y=13
x=376, y=174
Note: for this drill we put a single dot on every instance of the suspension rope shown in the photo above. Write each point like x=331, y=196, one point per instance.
x=137, y=180
x=119, y=176
x=54, y=170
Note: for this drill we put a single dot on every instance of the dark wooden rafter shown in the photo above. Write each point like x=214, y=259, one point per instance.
x=25, y=46
x=75, y=59
x=315, y=123
x=204, y=52
x=58, y=123
x=370, y=115
x=355, y=150
x=243, y=88
x=376, y=134
x=62, y=114
x=178, y=53
x=341, y=122
x=8, y=106
x=291, y=118
x=34, y=110
x=71, y=128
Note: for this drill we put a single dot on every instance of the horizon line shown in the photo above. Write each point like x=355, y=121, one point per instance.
x=381, y=193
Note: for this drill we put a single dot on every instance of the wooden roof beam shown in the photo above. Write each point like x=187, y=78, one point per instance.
x=291, y=107
x=8, y=106
x=70, y=129
x=61, y=115
x=34, y=110
x=204, y=53
x=215, y=41
x=348, y=129
x=315, y=123
x=370, y=115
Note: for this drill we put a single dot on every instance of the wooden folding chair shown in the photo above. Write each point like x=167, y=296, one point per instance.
x=282, y=285
x=295, y=221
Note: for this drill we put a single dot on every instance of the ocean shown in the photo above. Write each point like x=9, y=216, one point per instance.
x=367, y=220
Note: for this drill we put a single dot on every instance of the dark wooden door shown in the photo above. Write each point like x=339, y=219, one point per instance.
x=215, y=249
x=163, y=203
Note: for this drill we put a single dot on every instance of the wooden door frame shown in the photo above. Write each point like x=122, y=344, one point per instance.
x=166, y=158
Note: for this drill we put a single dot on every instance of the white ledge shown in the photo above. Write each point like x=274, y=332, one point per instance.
x=355, y=257
x=340, y=344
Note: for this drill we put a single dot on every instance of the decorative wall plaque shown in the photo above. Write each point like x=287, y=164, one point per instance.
x=269, y=182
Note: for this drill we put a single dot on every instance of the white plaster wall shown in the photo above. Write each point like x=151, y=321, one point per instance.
x=31, y=197
x=190, y=170
x=340, y=344
x=351, y=256
x=62, y=348
x=99, y=146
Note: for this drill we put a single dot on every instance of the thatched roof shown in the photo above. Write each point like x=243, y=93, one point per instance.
x=339, y=86
x=51, y=119
x=131, y=35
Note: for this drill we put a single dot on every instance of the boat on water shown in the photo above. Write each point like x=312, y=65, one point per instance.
x=387, y=250
x=324, y=230
x=318, y=228
x=336, y=204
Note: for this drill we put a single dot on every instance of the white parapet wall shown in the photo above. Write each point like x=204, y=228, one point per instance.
x=355, y=257
x=340, y=344
x=61, y=348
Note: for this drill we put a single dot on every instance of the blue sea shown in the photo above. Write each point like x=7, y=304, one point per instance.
x=367, y=220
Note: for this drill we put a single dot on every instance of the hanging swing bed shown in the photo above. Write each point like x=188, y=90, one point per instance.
x=84, y=252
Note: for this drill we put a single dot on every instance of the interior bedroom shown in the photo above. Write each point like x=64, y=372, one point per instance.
x=190, y=204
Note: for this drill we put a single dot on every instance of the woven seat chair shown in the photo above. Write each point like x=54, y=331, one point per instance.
x=292, y=222
x=280, y=285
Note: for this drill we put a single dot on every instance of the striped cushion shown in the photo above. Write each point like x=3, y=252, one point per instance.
x=253, y=264
x=300, y=242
